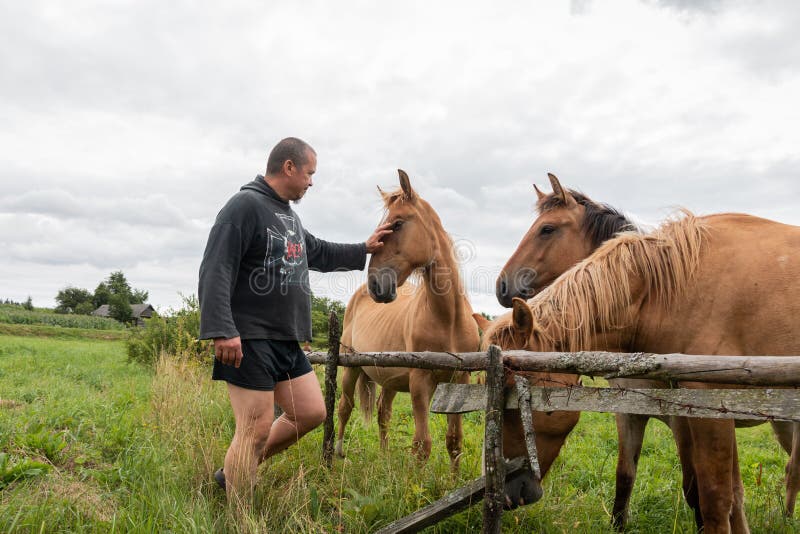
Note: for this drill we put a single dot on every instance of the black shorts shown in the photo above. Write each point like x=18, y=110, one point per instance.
x=265, y=362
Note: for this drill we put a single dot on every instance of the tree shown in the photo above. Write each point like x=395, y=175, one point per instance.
x=139, y=296
x=120, y=308
x=71, y=298
x=102, y=294
x=28, y=304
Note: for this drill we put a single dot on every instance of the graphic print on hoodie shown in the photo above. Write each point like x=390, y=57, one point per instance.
x=285, y=245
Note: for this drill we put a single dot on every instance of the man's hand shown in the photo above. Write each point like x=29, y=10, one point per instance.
x=228, y=351
x=375, y=241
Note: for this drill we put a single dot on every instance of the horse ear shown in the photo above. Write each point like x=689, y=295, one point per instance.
x=561, y=192
x=539, y=194
x=384, y=195
x=522, y=318
x=405, y=185
x=483, y=322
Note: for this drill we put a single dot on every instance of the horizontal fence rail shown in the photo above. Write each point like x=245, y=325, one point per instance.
x=775, y=400
x=744, y=370
x=756, y=404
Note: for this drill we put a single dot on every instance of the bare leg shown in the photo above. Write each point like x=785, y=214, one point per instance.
x=303, y=411
x=253, y=412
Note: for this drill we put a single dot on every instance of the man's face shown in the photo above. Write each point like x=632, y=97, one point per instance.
x=301, y=176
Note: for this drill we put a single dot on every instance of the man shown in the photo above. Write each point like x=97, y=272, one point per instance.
x=255, y=304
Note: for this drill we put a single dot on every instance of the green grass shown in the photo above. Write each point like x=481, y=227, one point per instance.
x=90, y=443
x=17, y=315
x=40, y=330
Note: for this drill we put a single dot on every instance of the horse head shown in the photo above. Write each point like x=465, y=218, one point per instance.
x=570, y=226
x=511, y=332
x=410, y=246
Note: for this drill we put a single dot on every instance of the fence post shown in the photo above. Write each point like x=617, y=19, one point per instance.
x=493, y=443
x=331, y=368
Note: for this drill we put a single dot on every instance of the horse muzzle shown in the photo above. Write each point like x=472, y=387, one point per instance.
x=520, y=284
x=522, y=488
x=382, y=285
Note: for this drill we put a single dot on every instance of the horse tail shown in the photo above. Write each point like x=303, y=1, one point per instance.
x=366, y=396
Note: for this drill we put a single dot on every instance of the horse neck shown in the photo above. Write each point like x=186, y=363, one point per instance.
x=443, y=290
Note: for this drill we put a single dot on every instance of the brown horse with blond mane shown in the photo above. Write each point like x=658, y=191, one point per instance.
x=722, y=284
x=511, y=331
x=388, y=314
x=571, y=226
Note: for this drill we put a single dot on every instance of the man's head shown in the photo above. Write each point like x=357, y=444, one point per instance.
x=290, y=167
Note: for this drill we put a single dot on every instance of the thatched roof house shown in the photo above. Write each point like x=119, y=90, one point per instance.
x=140, y=312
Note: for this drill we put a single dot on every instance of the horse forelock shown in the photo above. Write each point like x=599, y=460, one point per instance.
x=600, y=221
x=595, y=296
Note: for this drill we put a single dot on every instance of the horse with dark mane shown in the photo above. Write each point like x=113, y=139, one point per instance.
x=569, y=228
x=722, y=284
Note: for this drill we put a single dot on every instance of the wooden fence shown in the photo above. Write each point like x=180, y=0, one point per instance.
x=774, y=400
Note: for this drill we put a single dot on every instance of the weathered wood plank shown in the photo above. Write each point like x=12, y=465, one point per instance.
x=754, y=404
x=447, y=506
x=746, y=370
x=524, y=395
x=331, y=369
x=494, y=466
x=458, y=398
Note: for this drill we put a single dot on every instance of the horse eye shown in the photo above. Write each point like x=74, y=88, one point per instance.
x=396, y=226
x=547, y=229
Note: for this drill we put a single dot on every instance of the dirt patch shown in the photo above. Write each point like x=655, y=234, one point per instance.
x=9, y=403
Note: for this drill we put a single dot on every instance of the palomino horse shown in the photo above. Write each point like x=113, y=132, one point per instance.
x=386, y=315
x=512, y=331
x=722, y=284
x=569, y=228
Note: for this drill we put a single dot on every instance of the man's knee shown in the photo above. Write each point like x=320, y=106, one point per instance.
x=317, y=416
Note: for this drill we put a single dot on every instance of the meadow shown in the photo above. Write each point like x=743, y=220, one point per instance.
x=90, y=442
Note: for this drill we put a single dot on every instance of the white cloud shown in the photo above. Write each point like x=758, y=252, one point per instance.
x=126, y=125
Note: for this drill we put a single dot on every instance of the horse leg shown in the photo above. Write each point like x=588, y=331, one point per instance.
x=793, y=471
x=421, y=386
x=683, y=442
x=630, y=432
x=346, y=404
x=455, y=431
x=713, y=456
x=738, y=519
x=385, y=400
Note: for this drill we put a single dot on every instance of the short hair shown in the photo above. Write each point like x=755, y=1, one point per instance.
x=291, y=148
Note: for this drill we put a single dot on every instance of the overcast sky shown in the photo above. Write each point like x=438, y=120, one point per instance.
x=125, y=125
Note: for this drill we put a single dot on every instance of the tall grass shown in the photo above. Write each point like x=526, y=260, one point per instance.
x=132, y=448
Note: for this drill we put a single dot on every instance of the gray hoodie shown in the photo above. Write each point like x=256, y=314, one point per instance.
x=254, y=274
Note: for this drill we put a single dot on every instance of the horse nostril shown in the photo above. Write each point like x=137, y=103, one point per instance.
x=503, y=287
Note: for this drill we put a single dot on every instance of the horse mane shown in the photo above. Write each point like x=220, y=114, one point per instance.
x=595, y=296
x=600, y=222
x=499, y=332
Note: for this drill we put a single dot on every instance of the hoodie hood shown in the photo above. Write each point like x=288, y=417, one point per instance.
x=260, y=185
